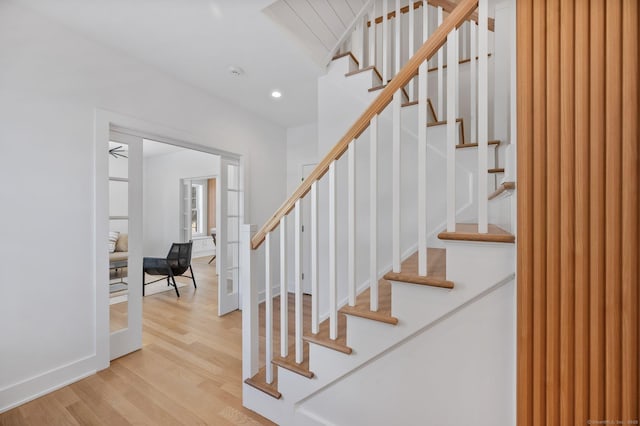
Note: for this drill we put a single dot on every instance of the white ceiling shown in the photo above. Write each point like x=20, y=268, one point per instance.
x=197, y=40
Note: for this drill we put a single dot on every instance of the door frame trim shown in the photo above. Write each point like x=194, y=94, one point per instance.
x=106, y=121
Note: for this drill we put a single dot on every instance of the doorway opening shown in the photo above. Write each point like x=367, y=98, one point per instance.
x=157, y=192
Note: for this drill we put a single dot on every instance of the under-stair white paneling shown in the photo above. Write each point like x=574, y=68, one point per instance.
x=459, y=371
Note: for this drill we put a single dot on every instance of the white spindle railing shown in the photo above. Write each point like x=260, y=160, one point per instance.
x=385, y=42
x=372, y=36
x=475, y=40
x=357, y=43
x=483, y=117
x=440, y=107
x=333, y=255
x=452, y=89
x=373, y=214
x=268, y=308
x=395, y=178
x=284, y=311
x=315, y=287
x=397, y=25
x=473, y=85
x=298, y=278
x=351, y=223
x=411, y=42
x=422, y=152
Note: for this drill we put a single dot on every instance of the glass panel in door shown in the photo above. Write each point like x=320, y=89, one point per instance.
x=125, y=244
x=228, y=236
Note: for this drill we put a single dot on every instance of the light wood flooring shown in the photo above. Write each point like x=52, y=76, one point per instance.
x=188, y=372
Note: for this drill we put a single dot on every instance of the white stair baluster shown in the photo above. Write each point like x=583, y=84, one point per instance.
x=385, y=41
x=395, y=184
x=284, y=314
x=315, y=295
x=363, y=40
x=356, y=44
x=440, y=73
x=333, y=283
x=398, y=37
x=473, y=84
x=422, y=154
x=483, y=116
x=372, y=36
x=452, y=136
x=268, y=308
x=464, y=34
x=373, y=214
x=411, y=47
x=298, y=279
x=351, y=226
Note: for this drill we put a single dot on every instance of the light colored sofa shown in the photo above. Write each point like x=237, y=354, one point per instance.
x=121, y=253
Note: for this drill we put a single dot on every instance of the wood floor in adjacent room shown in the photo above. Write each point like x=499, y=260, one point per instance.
x=188, y=372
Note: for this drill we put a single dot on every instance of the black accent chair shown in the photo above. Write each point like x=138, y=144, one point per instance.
x=215, y=244
x=174, y=265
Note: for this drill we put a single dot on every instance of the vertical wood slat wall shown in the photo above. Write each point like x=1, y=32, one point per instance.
x=578, y=219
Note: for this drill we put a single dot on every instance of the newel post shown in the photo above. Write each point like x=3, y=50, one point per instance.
x=249, y=292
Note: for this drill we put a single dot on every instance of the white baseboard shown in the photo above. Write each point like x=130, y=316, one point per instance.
x=42, y=384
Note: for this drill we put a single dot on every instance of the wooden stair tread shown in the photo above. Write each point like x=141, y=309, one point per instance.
x=436, y=270
x=369, y=68
x=429, y=104
x=290, y=363
x=474, y=145
x=342, y=55
x=496, y=170
x=259, y=381
x=362, y=306
x=442, y=123
x=382, y=86
x=505, y=186
x=469, y=232
x=323, y=339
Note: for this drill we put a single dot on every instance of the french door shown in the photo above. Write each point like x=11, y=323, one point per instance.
x=230, y=215
x=125, y=225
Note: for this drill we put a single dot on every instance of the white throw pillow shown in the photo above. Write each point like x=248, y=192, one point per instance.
x=113, y=238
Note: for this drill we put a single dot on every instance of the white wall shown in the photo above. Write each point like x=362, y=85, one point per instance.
x=302, y=149
x=161, y=189
x=52, y=80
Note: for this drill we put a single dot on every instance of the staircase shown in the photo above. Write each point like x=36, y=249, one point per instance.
x=410, y=319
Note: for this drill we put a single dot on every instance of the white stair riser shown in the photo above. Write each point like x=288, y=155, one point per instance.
x=478, y=262
x=342, y=66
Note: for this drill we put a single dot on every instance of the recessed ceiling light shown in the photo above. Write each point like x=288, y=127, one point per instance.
x=276, y=94
x=236, y=71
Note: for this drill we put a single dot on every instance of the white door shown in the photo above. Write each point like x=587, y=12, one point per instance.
x=306, y=235
x=230, y=216
x=125, y=263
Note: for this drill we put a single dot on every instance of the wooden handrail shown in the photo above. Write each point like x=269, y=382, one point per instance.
x=446, y=6
x=426, y=51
